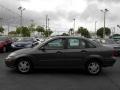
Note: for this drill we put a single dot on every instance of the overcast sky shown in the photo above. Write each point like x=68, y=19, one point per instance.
x=61, y=13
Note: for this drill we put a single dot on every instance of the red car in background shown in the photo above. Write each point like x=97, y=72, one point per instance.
x=5, y=43
x=2, y=46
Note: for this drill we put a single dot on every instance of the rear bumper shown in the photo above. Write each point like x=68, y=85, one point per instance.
x=109, y=62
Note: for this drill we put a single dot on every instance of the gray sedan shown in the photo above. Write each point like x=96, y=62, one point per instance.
x=63, y=52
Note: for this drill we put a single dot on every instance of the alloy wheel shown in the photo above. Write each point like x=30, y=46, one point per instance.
x=94, y=68
x=24, y=66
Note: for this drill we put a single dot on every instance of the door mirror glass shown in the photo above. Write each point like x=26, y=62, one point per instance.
x=42, y=48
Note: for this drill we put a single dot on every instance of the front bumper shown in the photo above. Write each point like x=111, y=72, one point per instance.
x=10, y=62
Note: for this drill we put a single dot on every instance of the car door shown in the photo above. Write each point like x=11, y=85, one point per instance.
x=75, y=53
x=72, y=52
x=53, y=53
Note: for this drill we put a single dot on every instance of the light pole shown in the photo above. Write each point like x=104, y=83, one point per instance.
x=104, y=12
x=1, y=21
x=95, y=29
x=46, y=22
x=21, y=15
x=74, y=26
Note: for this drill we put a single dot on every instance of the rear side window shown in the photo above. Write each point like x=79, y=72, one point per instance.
x=86, y=44
x=73, y=43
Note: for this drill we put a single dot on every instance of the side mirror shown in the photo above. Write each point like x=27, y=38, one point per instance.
x=42, y=48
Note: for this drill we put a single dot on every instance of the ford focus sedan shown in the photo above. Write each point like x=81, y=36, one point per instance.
x=63, y=52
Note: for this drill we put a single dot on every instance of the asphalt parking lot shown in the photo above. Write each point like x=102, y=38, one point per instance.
x=109, y=79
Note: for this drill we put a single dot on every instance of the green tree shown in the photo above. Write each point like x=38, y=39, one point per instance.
x=18, y=30
x=64, y=34
x=100, y=32
x=84, y=32
x=40, y=30
x=32, y=28
x=25, y=32
x=1, y=29
x=48, y=33
x=12, y=33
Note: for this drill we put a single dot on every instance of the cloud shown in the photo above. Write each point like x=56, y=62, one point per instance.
x=105, y=1
x=61, y=17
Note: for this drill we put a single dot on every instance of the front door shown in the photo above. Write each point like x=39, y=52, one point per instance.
x=53, y=54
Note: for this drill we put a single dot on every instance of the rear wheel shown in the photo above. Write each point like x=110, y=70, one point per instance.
x=93, y=67
x=24, y=66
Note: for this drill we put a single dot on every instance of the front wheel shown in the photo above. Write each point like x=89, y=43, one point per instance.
x=24, y=66
x=93, y=67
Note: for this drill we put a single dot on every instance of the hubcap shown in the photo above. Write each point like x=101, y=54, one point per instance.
x=24, y=66
x=93, y=68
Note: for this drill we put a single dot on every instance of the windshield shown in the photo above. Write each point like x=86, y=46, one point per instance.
x=42, y=43
x=108, y=41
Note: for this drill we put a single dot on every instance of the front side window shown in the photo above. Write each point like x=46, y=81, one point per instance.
x=55, y=44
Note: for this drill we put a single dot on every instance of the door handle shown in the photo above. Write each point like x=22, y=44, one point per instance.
x=59, y=52
x=84, y=51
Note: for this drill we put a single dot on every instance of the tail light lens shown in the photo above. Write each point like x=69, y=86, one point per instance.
x=115, y=53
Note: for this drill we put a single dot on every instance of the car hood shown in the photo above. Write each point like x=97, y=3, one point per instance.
x=22, y=51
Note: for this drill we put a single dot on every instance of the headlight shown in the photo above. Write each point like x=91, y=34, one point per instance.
x=12, y=55
x=28, y=46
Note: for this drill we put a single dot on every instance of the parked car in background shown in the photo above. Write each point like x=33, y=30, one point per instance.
x=25, y=42
x=5, y=43
x=2, y=46
x=63, y=52
x=109, y=43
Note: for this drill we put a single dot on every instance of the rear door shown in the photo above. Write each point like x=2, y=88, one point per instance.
x=77, y=51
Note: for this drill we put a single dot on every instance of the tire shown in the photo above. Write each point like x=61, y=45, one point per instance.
x=24, y=66
x=93, y=67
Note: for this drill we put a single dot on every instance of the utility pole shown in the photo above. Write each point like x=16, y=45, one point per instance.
x=104, y=12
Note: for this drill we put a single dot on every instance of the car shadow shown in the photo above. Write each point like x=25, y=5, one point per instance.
x=35, y=72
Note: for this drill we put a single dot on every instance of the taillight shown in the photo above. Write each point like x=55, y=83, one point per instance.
x=1, y=44
x=115, y=53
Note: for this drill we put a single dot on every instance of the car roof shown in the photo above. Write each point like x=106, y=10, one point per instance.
x=68, y=37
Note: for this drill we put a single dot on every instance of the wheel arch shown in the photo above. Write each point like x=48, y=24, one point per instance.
x=96, y=58
x=25, y=58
